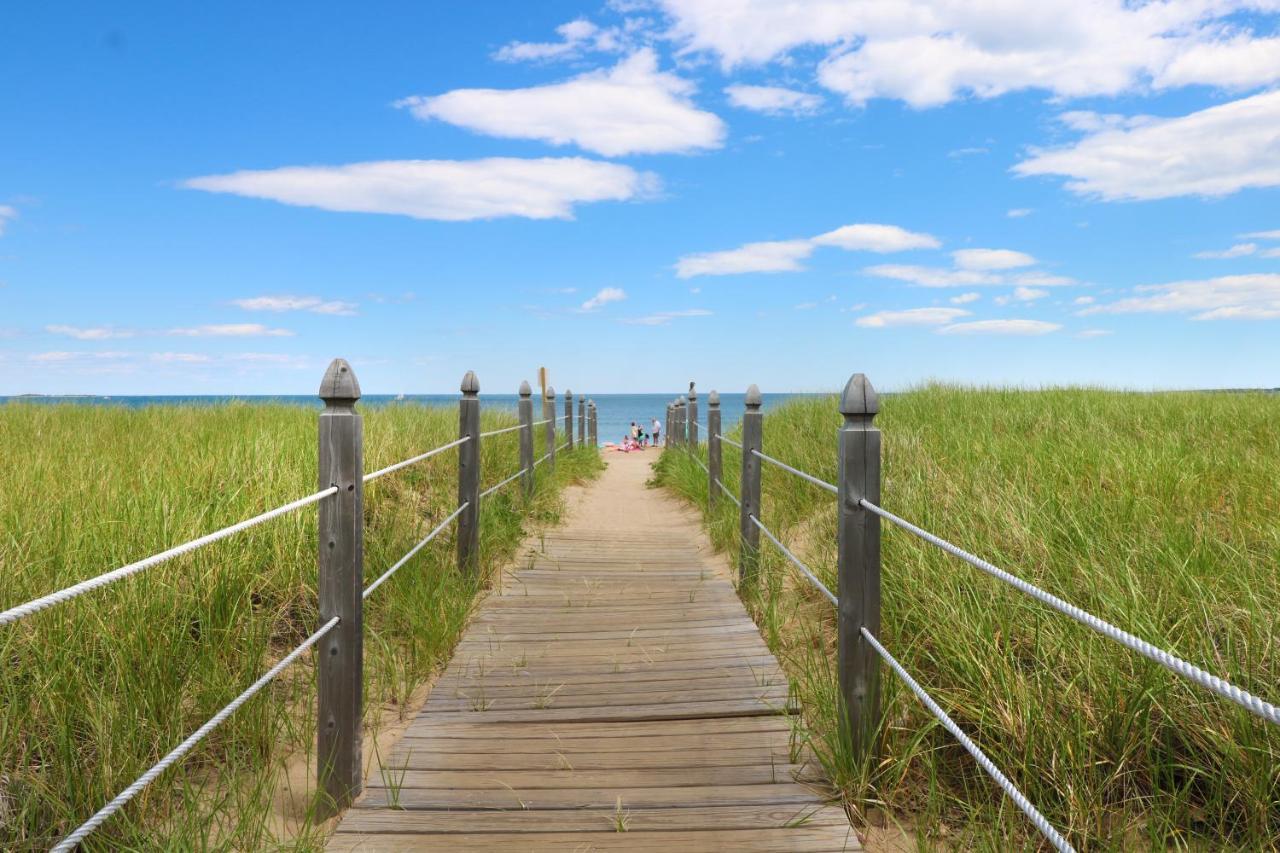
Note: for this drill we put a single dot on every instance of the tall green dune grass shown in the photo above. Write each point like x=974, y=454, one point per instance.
x=93, y=691
x=1157, y=512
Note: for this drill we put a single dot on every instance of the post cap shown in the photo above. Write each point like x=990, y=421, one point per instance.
x=339, y=382
x=693, y=394
x=713, y=399
x=568, y=392
x=753, y=400
x=684, y=401
x=859, y=398
x=551, y=393
x=525, y=390
x=470, y=385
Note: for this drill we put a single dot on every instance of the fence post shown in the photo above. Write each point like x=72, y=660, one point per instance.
x=752, y=431
x=681, y=409
x=568, y=419
x=340, y=654
x=693, y=417
x=858, y=535
x=549, y=415
x=713, y=450
x=582, y=419
x=469, y=473
x=524, y=409
x=666, y=428
x=593, y=423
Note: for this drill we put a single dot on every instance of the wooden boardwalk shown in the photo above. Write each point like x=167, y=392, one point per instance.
x=614, y=695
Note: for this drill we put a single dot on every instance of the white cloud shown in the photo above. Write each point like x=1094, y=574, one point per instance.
x=7, y=215
x=313, y=304
x=1262, y=235
x=773, y=100
x=180, y=358
x=602, y=298
x=1093, y=333
x=93, y=333
x=805, y=306
x=1269, y=253
x=662, y=318
x=965, y=298
x=933, y=276
x=1028, y=294
x=632, y=108
x=449, y=190
x=928, y=52
x=275, y=359
x=912, y=317
x=1018, y=212
x=1001, y=327
x=787, y=255
x=772, y=256
x=1239, y=250
x=1037, y=278
x=230, y=330
x=1213, y=152
x=1084, y=300
x=1231, y=297
x=873, y=237
x=991, y=259
x=576, y=37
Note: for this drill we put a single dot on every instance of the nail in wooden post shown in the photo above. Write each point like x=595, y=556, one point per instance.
x=713, y=450
x=549, y=415
x=858, y=535
x=752, y=432
x=693, y=416
x=568, y=419
x=469, y=474
x=340, y=653
x=524, y=409
x=582, y=420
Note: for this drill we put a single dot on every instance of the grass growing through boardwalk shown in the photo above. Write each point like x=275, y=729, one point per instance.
x=1157, y=512
x=93, y=691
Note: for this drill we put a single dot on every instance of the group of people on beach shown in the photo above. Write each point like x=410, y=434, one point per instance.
x=637, y=439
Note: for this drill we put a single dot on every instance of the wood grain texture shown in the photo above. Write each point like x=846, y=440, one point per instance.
x=611, y=694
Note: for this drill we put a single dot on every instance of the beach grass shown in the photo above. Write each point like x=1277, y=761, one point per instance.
x=95, y=690
x=1157, y=512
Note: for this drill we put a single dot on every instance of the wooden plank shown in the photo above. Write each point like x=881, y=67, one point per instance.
x=797, y=840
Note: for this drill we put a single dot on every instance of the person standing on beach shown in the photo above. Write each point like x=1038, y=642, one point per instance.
x=657, y=429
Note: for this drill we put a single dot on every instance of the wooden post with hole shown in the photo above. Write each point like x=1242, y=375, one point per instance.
x=524, y=410
x=693, y=417
x=713, y=450
x=549, y=415
x=858, y=536
x=752, y=432
x=340, y=653
x=568, y=419
x=469, y=474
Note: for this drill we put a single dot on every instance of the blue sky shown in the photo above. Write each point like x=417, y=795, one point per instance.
x=219, y=198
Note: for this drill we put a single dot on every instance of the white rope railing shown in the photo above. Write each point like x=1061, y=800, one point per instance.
x=542, y=459
x=729, y=441
x=21, y=611
x=396, y=467
x=562, y=447
x=494, y=432
x=802, y=475
x=495, y=488
x=541, y=422
x=795, y=561
x=415, y=549
x=1171, y=662
x=1041, y=823
x=731, y=495
x=69, y=843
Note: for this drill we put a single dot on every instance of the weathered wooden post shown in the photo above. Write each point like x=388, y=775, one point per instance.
x=582, y=419
x=549, y=415
x=469, y=473
x=568, y=419
x=340, y=655
x=593, y=424
x=752, y=432
x=666, y=427
x=713, y=450
x=693, y=417
x=858, y=536
x=683, y=428
x=524, y=409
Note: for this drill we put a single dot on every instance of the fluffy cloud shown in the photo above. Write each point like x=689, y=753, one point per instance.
x=787, y=255
x=1262, y=235
x=602, y=298
x=449, y=190
x=632, y=108
x=662, y=318
x=933, y=276
x=773, y=100
x=1028, y=294
x=1001, y=327
x=92, y=333
x=7, y=215
x=313, y=304
x=230, y=330
x=991, y=259
x=576, y=37
x=1231, y=297
x=1018, y=212
x=1213, y=152
x=965, y=298
x=928, y=52
x=912, y=317
x=1239, y=250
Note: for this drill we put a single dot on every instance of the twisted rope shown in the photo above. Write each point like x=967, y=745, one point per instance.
x=1175, y=664
x=13, y=614
x=1046, y=829
x=415, y=549
x=69, y=843
x=785, y=467
x=562, y=447
x=501, y=431
x=493, y=489
x=795, y=561
x=729, y=441
x=544, y=458
x=541, y=422
x=725, y=489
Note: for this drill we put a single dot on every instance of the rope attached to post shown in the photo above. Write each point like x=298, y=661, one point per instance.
x=415, y=549
x=396, y=467
x=795, y=561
